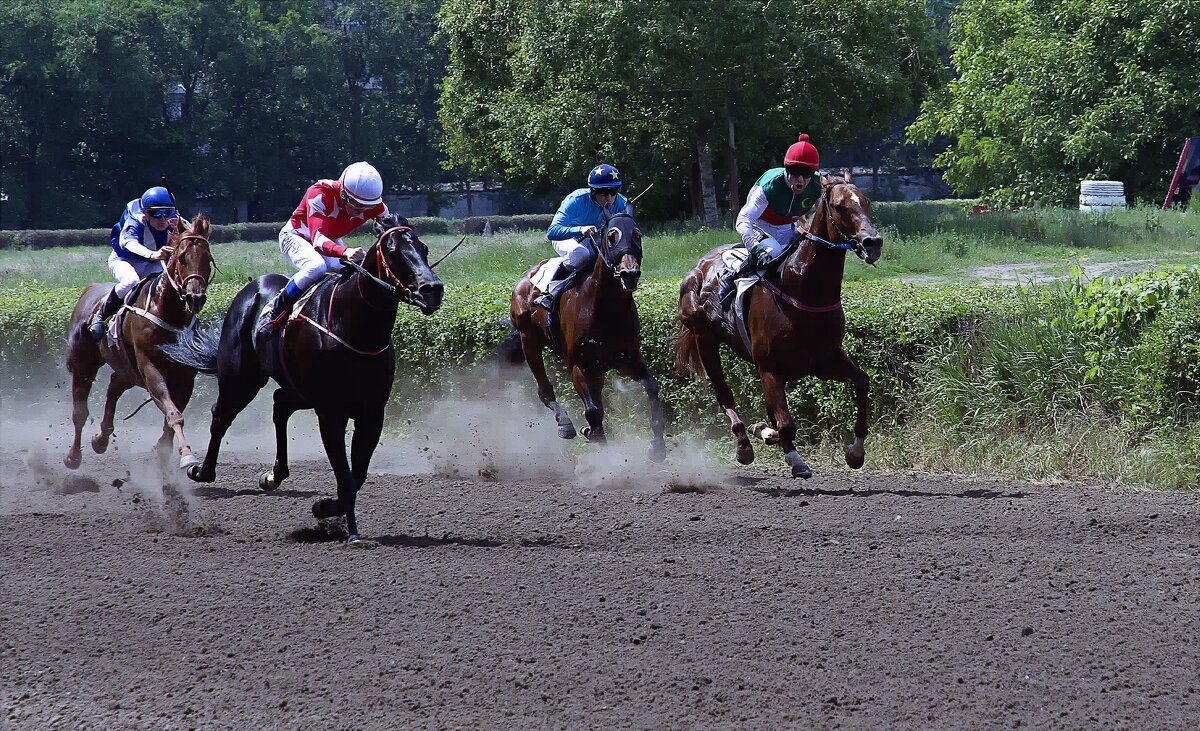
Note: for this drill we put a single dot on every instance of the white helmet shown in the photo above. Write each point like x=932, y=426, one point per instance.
x=362, y=184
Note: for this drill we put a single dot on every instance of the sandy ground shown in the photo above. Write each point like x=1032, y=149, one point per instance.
x=579, y=588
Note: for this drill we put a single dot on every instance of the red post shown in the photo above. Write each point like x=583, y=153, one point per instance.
x=1187, y=141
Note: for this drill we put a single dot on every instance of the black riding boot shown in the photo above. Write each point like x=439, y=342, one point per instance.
x=96, y=325
x=274, y=312
x=727, y=288
x=546, y=300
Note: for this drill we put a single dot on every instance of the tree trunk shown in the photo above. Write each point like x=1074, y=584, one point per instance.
x=731, y=167
x=708, y=188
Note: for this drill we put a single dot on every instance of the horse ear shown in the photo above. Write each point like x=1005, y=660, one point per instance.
x=629, y=208
x=847, y=175
x=201, y=226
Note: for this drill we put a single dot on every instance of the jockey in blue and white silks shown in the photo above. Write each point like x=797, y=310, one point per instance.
x=580, y=216
x=139, y=246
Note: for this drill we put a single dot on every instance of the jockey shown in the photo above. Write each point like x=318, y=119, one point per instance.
x=780, y=198
x=139, y=246
x=581, y=216
x=311, y=240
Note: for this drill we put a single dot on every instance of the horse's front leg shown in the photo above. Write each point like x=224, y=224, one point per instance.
x=284, y=404
x=589, y=386
x=367, y=429
x=531, y=347
x=639, y=372
x=775, y=396
x=161, y=392
x=844, y=370
x=333, y=436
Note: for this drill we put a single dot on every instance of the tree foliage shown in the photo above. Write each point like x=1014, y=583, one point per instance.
x=537, y=92
x=244, y=102
x=1053, y=91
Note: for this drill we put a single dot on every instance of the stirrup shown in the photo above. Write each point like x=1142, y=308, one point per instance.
x=545, y=301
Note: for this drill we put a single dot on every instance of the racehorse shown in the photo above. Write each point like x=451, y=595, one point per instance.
x=794, y=321
x=334, y=356
x=163, y=305
x=596, y=330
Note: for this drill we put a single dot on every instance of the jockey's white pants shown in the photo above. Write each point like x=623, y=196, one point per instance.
x=129, y=272
x=310, y=263
x=572, y=253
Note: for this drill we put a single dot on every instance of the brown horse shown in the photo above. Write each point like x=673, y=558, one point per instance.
x=163, y=306
x=794, y=321
x=596, y=330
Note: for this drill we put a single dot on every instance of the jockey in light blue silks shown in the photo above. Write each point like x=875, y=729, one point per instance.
x=776, y=202
x=581, y=216
x=139, y=246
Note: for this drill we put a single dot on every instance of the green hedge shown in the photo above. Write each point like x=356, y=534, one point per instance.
x=252, y=232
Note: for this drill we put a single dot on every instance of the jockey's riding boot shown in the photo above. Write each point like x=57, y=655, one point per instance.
x=545, y=301
x=729, y=277
x=274, y=311
x=96, y=325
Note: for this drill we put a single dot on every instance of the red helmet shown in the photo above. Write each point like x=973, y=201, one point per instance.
x=802, y=153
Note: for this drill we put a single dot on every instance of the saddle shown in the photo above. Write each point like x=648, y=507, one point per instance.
x=113, y=332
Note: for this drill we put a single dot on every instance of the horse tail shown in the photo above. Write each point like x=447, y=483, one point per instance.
x=687, y=351
x=509, y=351
x=195, y=347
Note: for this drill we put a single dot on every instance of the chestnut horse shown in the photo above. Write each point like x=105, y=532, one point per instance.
x=596, y=330
x=334, y=356
x=161, y=309
x=794, y=320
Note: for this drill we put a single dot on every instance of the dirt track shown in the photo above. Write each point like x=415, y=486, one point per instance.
x=851, y=601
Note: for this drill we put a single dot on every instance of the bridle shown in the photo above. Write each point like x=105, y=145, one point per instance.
x=173, y=270
x=847, y=243
x=602, y=246
x=393, y=286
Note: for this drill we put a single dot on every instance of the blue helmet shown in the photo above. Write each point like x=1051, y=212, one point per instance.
x=604, y=176
x=157, y=202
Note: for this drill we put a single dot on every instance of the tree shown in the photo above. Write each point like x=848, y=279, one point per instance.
x=537, y=92
x=1052, y=91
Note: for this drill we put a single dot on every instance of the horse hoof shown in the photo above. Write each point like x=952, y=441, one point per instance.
x=187, y=461
x=745, y=455
x=196, y=473
x=99, y=444
x=267, y=481
x=658, y=453
x=566, y=431
x=854, y=460
x=327, y=507
x=72, y=460
x=799, y=466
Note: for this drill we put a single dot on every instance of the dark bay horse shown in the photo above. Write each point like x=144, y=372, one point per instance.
x=334, y=356
x=795, y=323
x=597, y=331
x=161, y=309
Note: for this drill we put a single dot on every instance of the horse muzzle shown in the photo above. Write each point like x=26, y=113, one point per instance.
x=193, y=303
x=872, y=247
x=429, y=297
x=629, y=279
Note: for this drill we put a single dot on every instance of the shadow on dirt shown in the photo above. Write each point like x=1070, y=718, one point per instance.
x=975, y=494
x=221, y=493
x=431, y=541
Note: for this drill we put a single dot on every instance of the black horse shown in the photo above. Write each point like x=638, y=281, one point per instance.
x=334, y=356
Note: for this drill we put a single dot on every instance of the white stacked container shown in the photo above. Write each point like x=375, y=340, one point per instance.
x=1099, y=196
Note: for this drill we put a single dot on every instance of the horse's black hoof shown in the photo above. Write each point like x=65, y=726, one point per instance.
x=854, y=461
x=267, y=481
x=745, y=455
x=197, y=474
x=327, y=507
x=566, y=431
x=99, y=444
x=799, y=466
x=658, y=453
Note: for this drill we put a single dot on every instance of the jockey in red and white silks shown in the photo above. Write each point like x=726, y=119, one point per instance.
x=311, y=240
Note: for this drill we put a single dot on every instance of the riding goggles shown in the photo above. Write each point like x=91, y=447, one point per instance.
x=161, y=212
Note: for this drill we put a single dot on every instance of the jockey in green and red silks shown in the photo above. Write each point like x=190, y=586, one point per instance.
x=139, y=247
x=777, y=201
x=311, y=240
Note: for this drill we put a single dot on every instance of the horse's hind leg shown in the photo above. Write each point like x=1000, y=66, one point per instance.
x=117, y=386
x=284, y=404
x=83, y=366
x=333, y=436
x=590, y=387
x=710, y=357
x=531, y=346
x=776, y=401
x=639, y=372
